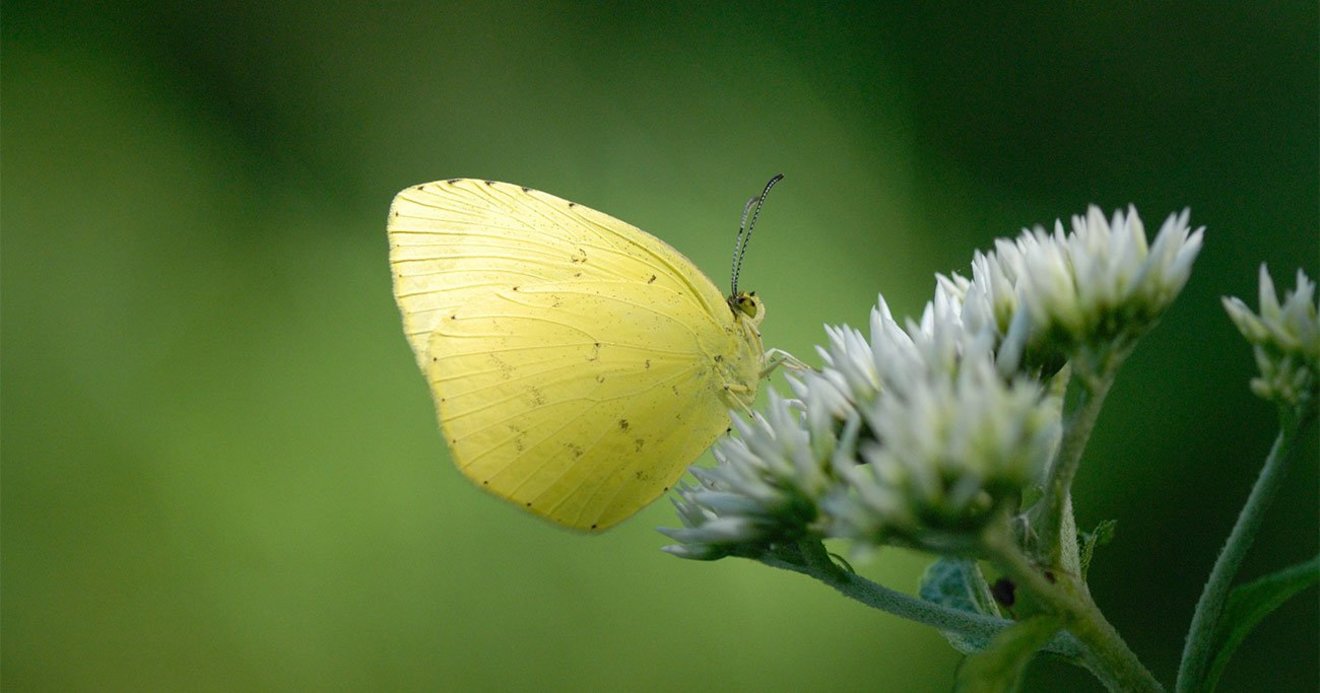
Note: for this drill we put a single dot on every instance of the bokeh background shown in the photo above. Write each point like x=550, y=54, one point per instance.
x=220, y=466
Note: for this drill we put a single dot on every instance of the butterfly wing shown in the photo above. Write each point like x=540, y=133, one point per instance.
x=578, y=364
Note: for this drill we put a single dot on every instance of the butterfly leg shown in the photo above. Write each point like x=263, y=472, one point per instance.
x=775, y=358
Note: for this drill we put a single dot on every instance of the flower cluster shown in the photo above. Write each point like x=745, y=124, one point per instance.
x=924, y=432
x=1286, y=341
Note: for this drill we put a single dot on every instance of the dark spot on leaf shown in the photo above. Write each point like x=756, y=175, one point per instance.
x=623, y=424
x=638, y=444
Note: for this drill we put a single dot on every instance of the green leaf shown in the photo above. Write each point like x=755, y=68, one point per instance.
x=958, y=583
x=1248, y=604
x=1000, y=667
x=1101, y=535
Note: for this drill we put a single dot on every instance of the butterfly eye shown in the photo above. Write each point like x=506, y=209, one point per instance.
x=747, y=305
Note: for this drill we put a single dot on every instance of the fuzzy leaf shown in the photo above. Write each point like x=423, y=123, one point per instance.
x=1250, y=603
x=958, y=583
x=1000, y=667
x=1101, y=535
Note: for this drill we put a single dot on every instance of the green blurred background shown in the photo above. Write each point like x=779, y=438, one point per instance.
x=220, y=466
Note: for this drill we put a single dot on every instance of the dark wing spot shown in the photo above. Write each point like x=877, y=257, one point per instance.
x=490, y=182
x=419, y=187
x=451, y=181
x=593, y=525
x=515, y=288
x=576, y=275
x=638, y=444
x=652, y=279
x=600, y=378
x=647, y=363
x=718, y=358
x=623, y=424
x=574, y=204
x=526, y=189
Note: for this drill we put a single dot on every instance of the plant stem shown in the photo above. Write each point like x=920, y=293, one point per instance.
x=816, y=563
x=1198, y=648
x=1108, y=656
x=1048, y=516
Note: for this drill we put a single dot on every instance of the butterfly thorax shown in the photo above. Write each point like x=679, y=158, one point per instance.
x=741, y=374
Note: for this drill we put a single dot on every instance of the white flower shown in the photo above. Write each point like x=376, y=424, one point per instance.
x=949, y=452
x=763, y=490
x=1286, y=338
x=1047, y=295
x=922, y=432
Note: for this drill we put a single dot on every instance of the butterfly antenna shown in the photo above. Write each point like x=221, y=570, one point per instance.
x=745, y=229
x=738, y=245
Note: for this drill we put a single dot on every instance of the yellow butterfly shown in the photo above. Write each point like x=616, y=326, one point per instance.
x=578, y=364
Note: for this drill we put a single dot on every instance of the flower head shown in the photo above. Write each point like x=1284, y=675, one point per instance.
x=923, y=432
x=1050, y=295
x=1286, y=340
x=762, y=492
x=949, y=453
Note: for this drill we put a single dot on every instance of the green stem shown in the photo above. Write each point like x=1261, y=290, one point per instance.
x=1048, y=516
x=1108, y=656
x=816, y=563
x=1198, y=649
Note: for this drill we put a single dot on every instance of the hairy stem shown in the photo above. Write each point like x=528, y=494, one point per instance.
x=1108, y=656
x=1048, y=517
x=817, y=563
x=1198, y=648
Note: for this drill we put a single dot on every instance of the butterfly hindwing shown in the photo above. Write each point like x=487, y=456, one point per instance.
x=578, y=363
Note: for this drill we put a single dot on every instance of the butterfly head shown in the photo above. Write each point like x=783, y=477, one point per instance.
x=747, y=306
